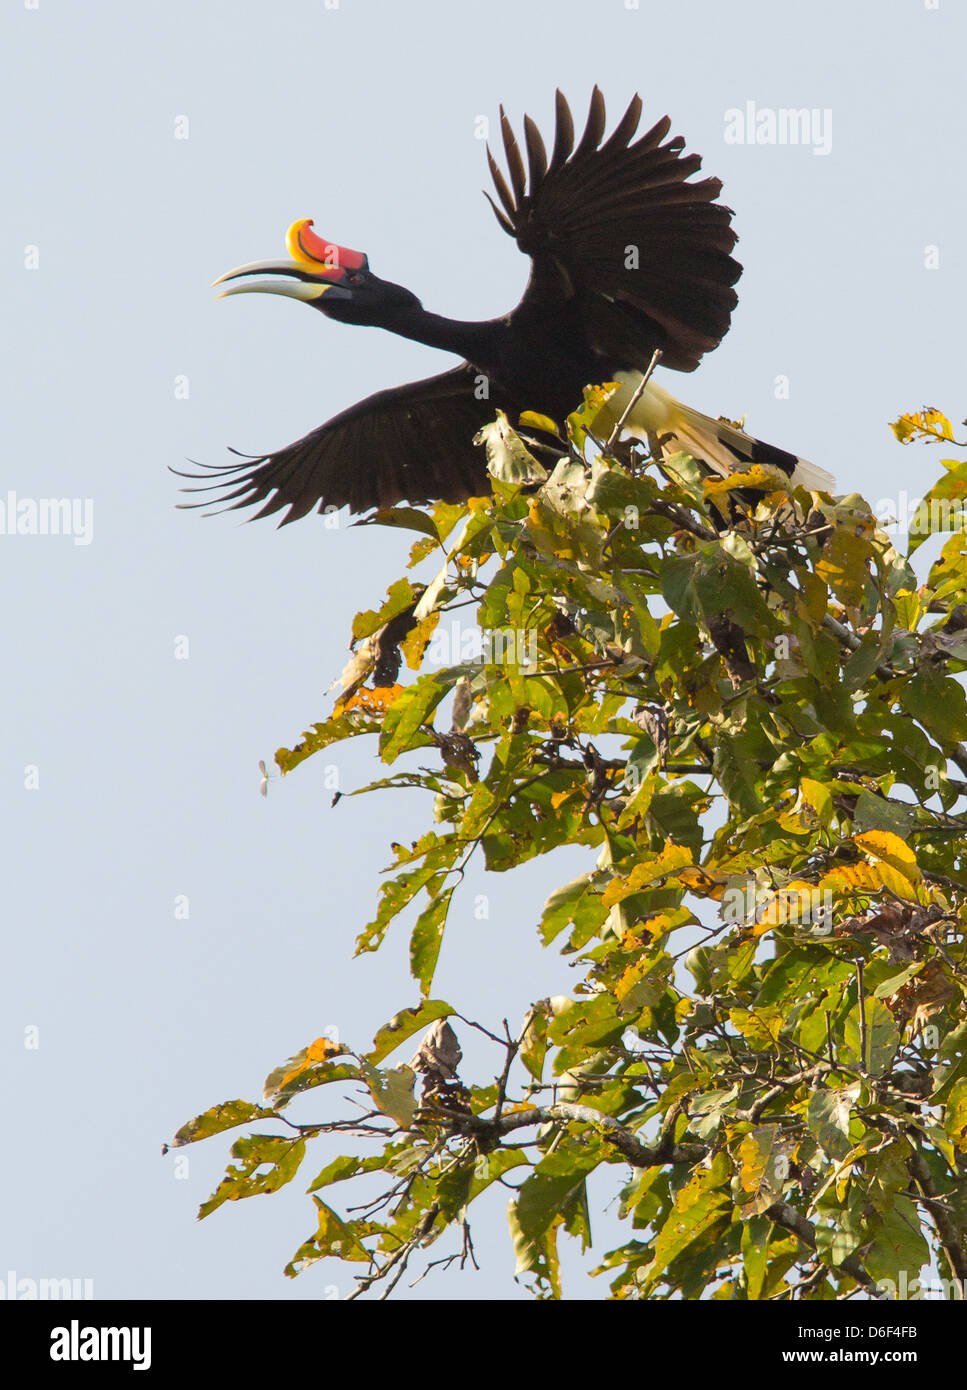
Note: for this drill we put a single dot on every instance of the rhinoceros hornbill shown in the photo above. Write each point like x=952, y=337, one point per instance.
x=628, y=255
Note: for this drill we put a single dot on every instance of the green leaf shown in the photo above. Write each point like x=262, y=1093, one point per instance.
x=553, y=1187
x=405, y=518
x=324, y=735
x=334, y=1237
x=400, y=596
x=562, y=906
x=413, y=707
x=896, y=1242
x=951, y=493
x=761, y=1026
x=508, y=458
x=228, y=1115
x=392, y=1090
x=533, y=1048
x=876, y=813
x=755, y=1253
x=763, y=1169
x=700, y=1206
x=339, y=1170
x=426, y=939
x=896, y=982
x=536, y=1256
x=404, y=1024
x=279, y=1155
x=828, y=1115
x=882, y=1038
x=397, y=894
x=939, y=702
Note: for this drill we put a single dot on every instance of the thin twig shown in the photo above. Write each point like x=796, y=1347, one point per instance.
x=864, y=1060
x=513, y=1046
x=655, y=359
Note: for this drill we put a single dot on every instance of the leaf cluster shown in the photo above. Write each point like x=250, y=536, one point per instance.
x=752, y=715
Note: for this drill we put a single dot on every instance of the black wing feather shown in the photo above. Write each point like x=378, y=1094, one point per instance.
x=594, y=127
x=413, y=443
x=536, y=153
x=563, y=132
x=577, y=215
x=515, y=164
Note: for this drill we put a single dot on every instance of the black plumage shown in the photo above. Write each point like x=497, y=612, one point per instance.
x=629, y=253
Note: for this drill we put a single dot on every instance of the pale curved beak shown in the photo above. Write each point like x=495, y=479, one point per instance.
x=312, y=281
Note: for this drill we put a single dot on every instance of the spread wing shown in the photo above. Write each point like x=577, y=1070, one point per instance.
x=620, y=226
x=412, y=442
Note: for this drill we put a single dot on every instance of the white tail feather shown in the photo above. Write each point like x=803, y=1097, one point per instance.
x=812, y=477
x=658, y=412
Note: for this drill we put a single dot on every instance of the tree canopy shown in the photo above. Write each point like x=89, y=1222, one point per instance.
x=748, y=709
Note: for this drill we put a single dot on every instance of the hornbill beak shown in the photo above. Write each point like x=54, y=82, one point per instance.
x=318, y=267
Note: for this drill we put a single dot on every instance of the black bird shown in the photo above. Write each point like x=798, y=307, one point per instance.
x=628, y=255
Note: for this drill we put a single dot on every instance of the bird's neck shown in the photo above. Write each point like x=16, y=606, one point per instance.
x=467, y=338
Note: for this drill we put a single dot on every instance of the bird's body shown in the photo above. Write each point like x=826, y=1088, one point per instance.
x=538, y=353
x=628, y=256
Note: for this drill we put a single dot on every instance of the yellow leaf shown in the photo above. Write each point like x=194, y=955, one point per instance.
x=539, y=422
x=760, y=476
x=648, y=992
x=882, y=845
x=955, y=1121
x=370, y=701
x=415, y=643
x=672, y=857
x=852, y=878
x=818, y=798
x=761, y=1026
x=928, y=423
x=319, y=1051
x=703, y=883
x=796, y=903
x=911, y=606
x=844, y=565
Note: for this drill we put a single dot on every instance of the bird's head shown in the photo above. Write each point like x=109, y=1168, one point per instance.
x=333, y=279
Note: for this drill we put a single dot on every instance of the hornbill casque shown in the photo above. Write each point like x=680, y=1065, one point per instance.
x=628, y=255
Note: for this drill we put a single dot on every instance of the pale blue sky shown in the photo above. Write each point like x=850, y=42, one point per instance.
x=362, y=117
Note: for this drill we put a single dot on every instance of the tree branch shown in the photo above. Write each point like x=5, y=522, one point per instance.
x=638, y=1155
x=792, y=1220
x=951, y=1233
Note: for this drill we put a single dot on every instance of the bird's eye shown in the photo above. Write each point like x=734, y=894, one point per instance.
x=355, y=279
